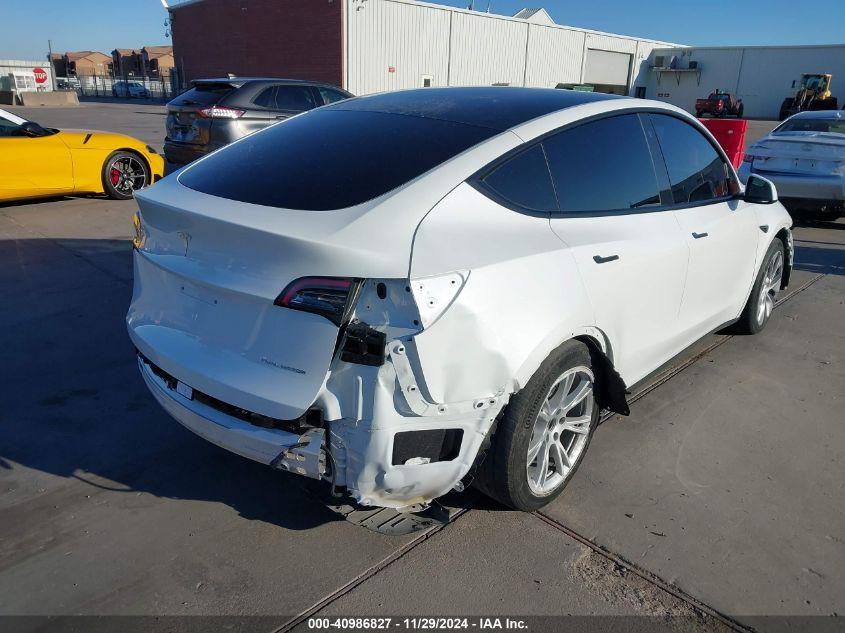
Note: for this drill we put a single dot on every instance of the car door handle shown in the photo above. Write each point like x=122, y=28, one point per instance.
x=603, y=260
x=698, y=236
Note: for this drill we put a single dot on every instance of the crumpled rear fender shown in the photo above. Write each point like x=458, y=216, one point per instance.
x=522, y=297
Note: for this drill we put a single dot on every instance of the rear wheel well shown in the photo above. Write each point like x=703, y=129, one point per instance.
x=783, y=236
x=610, y=388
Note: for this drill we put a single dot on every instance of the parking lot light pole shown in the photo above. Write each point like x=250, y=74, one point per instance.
x=52, y=66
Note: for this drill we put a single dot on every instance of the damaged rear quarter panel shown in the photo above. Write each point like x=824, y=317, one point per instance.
x=523, y=297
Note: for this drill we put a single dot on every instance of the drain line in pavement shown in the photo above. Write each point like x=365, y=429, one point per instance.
x=367, y=574
x=644, y=574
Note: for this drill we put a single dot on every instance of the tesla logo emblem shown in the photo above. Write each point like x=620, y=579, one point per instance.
x=186, y=238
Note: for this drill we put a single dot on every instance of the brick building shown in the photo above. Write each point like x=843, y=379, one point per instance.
x=273, y=38
x=126, y=62
x=86, y=63
x=157, y=60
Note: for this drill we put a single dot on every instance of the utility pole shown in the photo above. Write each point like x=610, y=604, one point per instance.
x=52, y=66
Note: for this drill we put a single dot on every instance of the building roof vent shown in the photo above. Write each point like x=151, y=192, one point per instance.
x=538, y=15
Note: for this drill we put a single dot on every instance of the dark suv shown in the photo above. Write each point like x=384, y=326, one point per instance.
x=215, y=112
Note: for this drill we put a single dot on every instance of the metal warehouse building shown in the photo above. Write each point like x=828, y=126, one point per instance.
x=761, y=76
x=370, y=46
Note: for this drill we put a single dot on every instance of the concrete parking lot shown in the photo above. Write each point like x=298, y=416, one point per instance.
x=717, y=505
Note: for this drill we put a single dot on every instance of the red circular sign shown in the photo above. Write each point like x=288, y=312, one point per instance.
x=40, y=75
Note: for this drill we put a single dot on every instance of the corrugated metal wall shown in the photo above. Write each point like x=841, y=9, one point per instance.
x=393, y=44
x=487, y=50
x=554, y=56
x=611, y=43
x=411, y=40
x=762, y=77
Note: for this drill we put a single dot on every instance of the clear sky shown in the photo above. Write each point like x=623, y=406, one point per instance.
x=104, y=26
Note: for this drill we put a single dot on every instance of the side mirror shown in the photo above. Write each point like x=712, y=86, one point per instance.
x=30, y=128
x=760, y=190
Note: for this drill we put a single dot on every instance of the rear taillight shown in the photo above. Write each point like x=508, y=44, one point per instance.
x=140, y=236
x=331, y=297
x=220, y=112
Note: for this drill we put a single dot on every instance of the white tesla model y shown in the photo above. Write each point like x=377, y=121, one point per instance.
x=402, y=292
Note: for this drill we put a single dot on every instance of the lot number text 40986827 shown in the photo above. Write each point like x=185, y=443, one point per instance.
x=421, y=623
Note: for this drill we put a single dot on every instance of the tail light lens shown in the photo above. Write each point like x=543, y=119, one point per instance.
x=220, y=112
x=331, y=297
x=140, y=237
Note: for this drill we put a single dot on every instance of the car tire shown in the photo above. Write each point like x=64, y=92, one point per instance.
x=760, y=303
x=132, y=174
x=531, y=424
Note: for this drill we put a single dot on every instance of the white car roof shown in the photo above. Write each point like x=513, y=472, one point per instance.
x=819, y=114
x=5, y=114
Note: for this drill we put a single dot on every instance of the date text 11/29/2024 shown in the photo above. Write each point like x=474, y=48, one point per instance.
x=414, y=624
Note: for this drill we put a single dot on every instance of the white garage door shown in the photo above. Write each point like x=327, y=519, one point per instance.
x=606, y=67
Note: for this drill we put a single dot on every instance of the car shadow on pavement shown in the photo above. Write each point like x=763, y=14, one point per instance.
x=829, y=261
x=76, y=407
x=32, y=201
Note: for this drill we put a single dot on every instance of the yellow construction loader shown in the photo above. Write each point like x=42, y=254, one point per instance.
x=813, y=94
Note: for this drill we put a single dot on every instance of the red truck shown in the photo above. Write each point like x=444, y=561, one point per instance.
x=719, y=104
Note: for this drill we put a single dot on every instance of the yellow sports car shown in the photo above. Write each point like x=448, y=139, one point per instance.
x=37, y=161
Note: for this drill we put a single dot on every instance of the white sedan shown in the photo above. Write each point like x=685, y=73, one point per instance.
x=405, y=292
x=805, y=157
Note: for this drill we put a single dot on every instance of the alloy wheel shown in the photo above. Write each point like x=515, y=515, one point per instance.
x=561, y=431
x=127, y=174
x=770, y=286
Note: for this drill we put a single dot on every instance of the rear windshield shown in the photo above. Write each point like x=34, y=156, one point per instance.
x=203, y=94
x=330, y=159
x=831, y=126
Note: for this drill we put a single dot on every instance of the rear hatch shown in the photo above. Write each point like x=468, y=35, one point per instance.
x=817, y=154
x=203, y=305
x=185, y=121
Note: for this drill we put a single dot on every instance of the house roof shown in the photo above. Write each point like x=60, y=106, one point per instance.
x=94, y=56
x=124, y=51
x=158, y=50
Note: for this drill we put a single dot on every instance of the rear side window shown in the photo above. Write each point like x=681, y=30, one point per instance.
x=296, y=98
x=604, y=165
x=266, y=98
x=523, y=181
x=204, y=94
x=331, y=95
x=330, y=159
x=697, y=172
